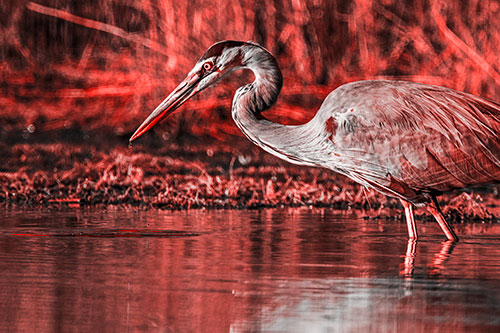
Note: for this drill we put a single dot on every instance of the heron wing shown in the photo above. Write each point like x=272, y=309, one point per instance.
x=409, y=138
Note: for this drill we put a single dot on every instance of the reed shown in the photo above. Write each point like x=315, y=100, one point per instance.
x=108, y=63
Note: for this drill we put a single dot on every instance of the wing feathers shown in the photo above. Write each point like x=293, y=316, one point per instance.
x=425, y=137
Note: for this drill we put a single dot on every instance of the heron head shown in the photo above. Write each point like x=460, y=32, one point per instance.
x=219, y=60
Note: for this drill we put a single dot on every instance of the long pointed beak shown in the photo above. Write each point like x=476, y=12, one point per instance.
x=185, y=90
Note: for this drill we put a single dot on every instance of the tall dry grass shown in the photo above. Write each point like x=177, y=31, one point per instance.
x=107, y=63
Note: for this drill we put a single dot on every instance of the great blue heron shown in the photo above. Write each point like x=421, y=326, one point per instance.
x=407, y=140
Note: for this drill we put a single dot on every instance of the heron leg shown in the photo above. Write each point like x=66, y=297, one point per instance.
x=410, y=219
x=433, y=208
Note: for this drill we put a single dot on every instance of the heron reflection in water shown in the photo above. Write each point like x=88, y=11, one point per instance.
x=406, y=140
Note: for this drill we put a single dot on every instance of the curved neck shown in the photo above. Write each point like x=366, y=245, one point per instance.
x=261, y=94
x=292, y=143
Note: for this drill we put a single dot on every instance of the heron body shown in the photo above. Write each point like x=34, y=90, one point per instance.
x=407, y=140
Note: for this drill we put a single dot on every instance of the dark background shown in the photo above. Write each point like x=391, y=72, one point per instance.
x=108, y=63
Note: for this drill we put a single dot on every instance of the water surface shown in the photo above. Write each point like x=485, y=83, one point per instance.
x=278, y=269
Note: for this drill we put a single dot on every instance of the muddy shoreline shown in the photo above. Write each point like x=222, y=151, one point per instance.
x=78, y=169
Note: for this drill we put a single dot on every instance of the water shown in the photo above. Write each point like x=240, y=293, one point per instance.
x=277, y=270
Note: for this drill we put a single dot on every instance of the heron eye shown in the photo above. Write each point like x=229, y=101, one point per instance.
x=207, y=66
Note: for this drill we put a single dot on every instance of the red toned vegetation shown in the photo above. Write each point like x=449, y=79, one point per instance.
x=75, y=74
x=190, y=175
x=170, y=177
